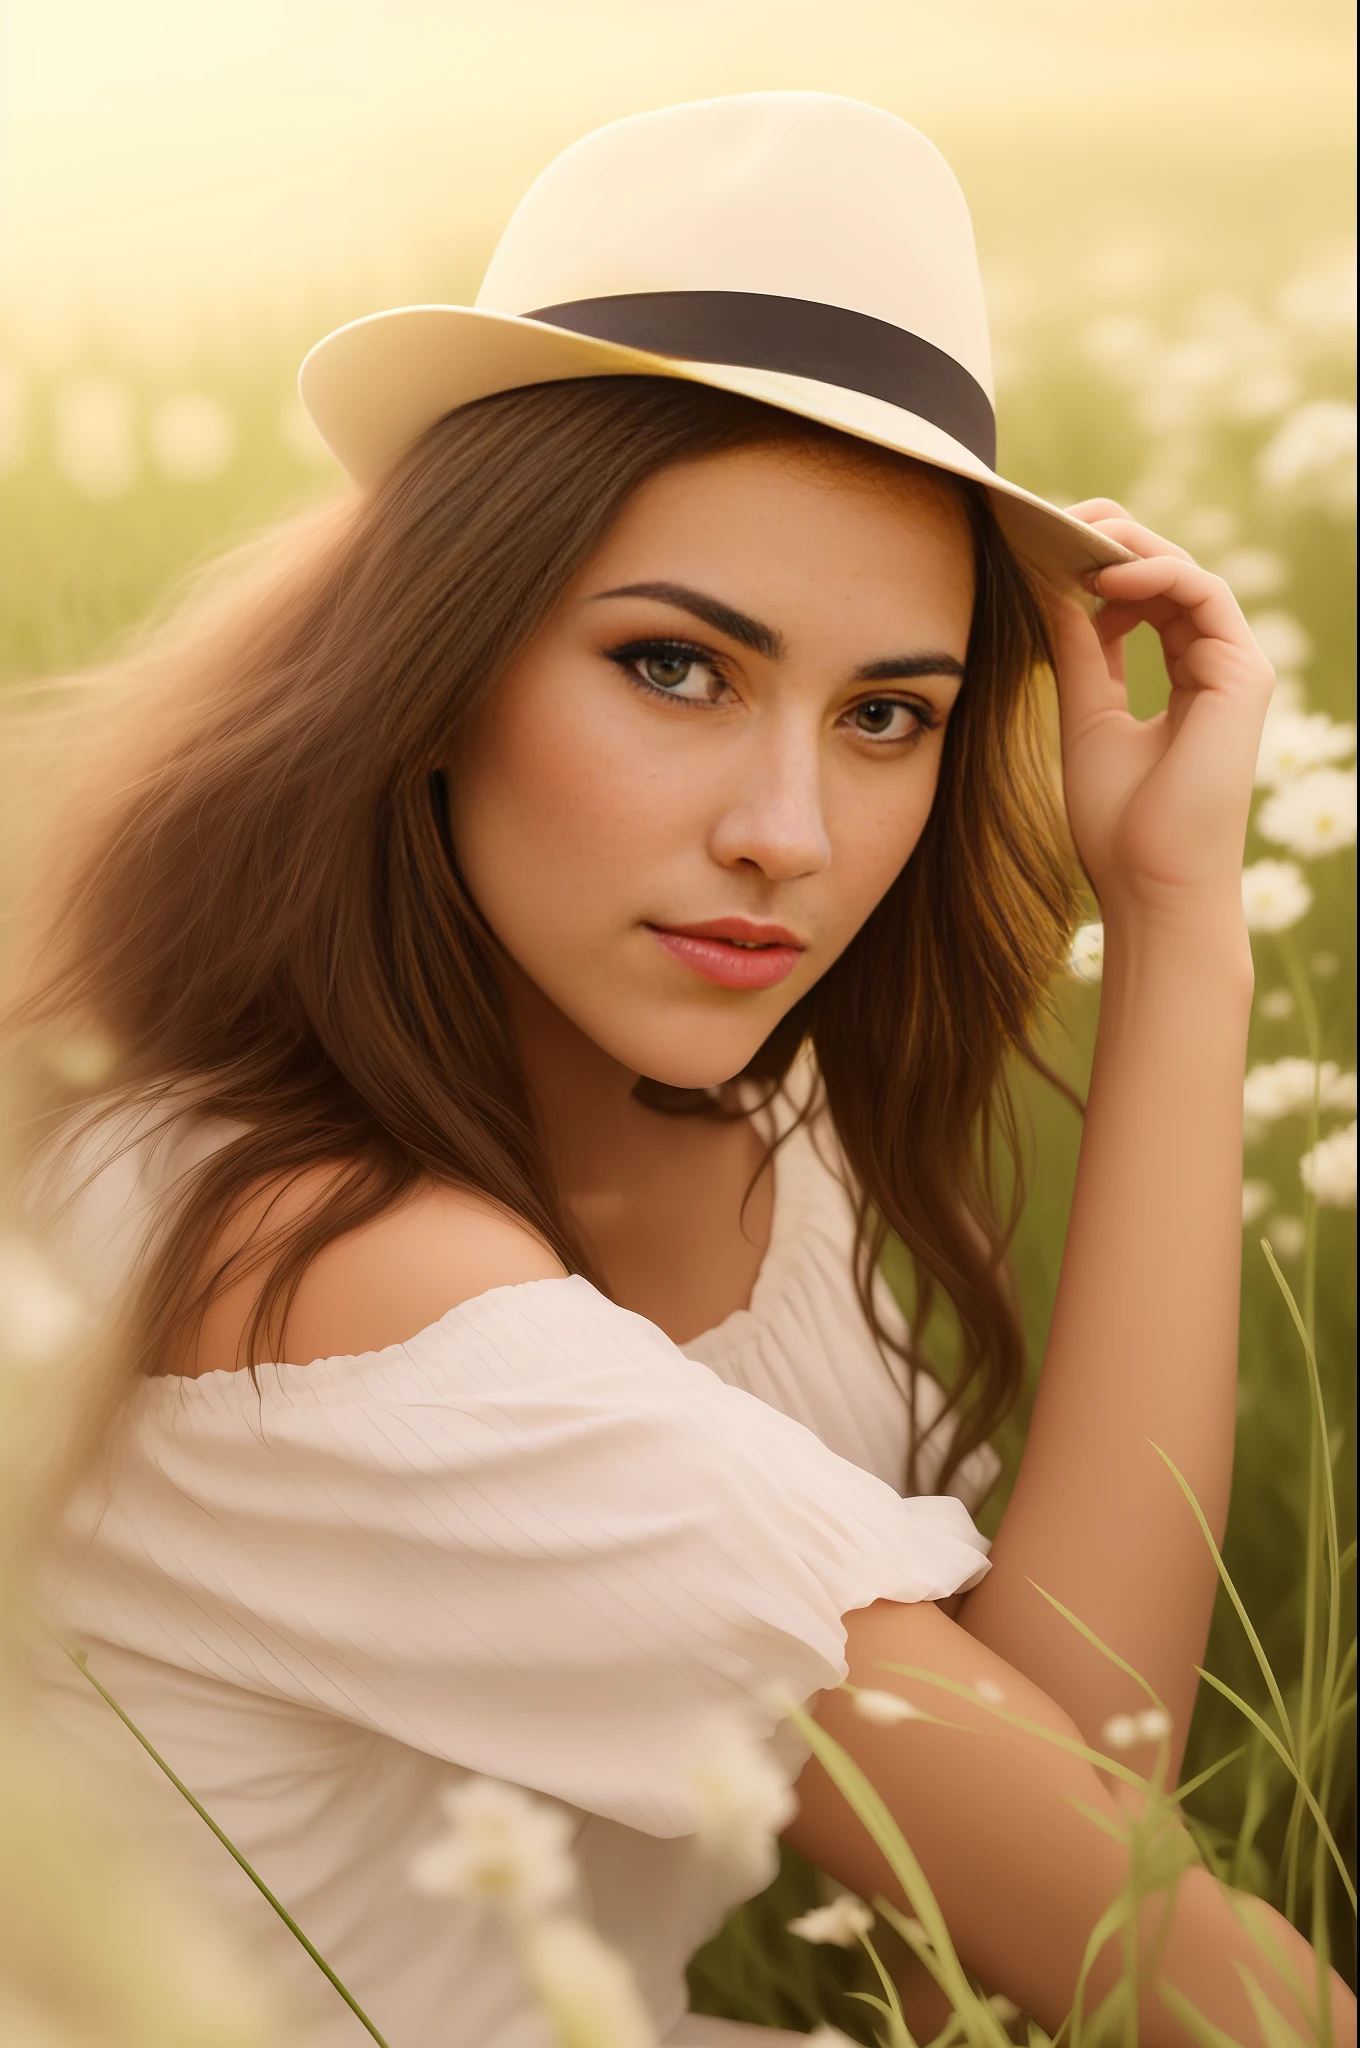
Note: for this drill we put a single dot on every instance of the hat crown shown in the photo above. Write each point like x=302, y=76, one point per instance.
x=798, y=195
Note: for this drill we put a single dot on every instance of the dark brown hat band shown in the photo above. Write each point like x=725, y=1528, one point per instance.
x=803, y=338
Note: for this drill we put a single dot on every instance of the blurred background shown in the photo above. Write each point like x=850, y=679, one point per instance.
x=191, y=195
x=1163, y=199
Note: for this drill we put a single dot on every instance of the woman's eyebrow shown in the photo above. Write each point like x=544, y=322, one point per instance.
x=898, y=667
x=749, y=632
x=724, y=618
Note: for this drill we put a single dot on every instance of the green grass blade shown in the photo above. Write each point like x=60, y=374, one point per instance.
x=1193, y=2020
x=1313, y=1698
x=1263, y=1728
x=1116, y=1831
x=77, y=1658
x=1096, y=1643
x=1012, y=1720
x=869, y=1807
x=1182, y=1792
x=1105, y=1929
x=1275, y=2028
x=1225, y=1577
x=1330, y=1528
x=1255, y=1806
x=899, y=2032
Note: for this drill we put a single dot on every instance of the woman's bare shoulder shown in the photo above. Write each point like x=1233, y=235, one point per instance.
x=379, y=1284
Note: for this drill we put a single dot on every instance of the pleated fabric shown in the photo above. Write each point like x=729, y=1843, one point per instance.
x=537, y=1541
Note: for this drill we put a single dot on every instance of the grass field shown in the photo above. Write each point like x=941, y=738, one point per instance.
x=111, y=493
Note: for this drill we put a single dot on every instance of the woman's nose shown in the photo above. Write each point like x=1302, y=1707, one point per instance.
x=774, y=818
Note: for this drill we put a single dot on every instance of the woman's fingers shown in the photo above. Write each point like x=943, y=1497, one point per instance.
x=1111, y=518
x=1090, y=678
x=1160, y=586
x=1093, y=510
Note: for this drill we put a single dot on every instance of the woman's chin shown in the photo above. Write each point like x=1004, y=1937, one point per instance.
x=689, y=1056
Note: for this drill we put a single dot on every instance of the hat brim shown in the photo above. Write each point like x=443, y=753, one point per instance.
x=374, y=386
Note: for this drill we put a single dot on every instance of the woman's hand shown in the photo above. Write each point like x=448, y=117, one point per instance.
x=1158, y=807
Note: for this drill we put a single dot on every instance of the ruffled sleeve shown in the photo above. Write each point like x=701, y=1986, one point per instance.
x=536, y=1540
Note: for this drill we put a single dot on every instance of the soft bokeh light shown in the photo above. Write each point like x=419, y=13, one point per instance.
x=183, y=177
x=191, y=195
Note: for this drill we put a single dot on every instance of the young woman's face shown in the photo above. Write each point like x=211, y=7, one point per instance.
x=702, y=774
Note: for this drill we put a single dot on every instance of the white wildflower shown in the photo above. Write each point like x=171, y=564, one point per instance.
x=192, y=436
x=1276, y=1088
x=1287, y=1087
x=1206, y=529
x=1313, y=815
x=1338, y=1090
x=1274, y=895
x=1228, y=314
x=1312, y=457
x=40, y=1319
x=1287, y=695
x=886, y=1708
x=741, y=1798
x=1120, y=1732
x=502, y=1847
x=1087, y=957
x=1004, y=2008
x=1294, y=741
x=1319, y=304
x=1328, y=1170
x=840, y=1924
x=1159, y=494
x=1282, y=639
x=1193, y=365
x=1277, y=1004
x=1262, y=391
x=987, y=1689
x=1171, y=405
x=1154, y=1724
x=828, y=2037
x=584, y=1987
x=1253, y=572
x=95, y=450
x=1125, y=266
x=1286, y=1236
x=1121, y=343
x=1257, y=1196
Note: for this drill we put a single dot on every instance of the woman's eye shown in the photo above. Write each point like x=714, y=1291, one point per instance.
x=687, y=673
x=889, y=718
x=668, y=671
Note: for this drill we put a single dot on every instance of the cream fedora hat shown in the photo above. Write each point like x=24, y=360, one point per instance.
x=802, y=249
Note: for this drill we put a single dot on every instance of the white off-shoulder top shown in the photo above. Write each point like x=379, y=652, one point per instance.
x=538, y=1541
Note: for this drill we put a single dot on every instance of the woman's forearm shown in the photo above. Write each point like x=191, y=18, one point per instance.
x=1143, y=1342
x=1019, y=1841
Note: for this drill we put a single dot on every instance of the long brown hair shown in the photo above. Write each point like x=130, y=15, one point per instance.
x=263, y=913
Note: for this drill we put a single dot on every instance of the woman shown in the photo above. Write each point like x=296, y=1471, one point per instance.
x=556, y=923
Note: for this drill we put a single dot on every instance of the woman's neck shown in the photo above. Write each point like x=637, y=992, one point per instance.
x=675, y=1212
x=595, y=1132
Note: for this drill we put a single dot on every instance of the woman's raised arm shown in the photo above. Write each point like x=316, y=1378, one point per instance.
x=1142, y=1353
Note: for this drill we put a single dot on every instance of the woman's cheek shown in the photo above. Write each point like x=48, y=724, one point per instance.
x=873, y=837
x=561, y=815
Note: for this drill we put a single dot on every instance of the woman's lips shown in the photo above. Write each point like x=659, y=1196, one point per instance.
x=731, y=952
